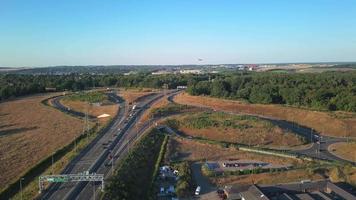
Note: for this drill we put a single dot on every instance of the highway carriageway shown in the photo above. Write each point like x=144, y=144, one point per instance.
x=84, y=190
x=94, y=157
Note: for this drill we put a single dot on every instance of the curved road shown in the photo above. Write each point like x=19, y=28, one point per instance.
x=319, y=148
x=116, y=140
x=84, y=158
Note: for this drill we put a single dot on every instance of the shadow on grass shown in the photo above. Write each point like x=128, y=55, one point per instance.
x=16, y=131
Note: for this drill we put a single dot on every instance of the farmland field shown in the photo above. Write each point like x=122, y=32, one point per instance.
x=29, y=132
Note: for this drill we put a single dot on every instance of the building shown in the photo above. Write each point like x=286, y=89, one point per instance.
x=190, y=71
x=304, y=190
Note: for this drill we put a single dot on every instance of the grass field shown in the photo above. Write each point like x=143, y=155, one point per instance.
x=94, y=110
x=181, y=149
x=90, y=97
x=134, y=177
x=344, y=150
x=237, y=129
x=327, y=123
x=158, y=104
x=130, y=95
x=30, y=131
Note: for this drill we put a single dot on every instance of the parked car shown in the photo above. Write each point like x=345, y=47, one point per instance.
x=197, y=191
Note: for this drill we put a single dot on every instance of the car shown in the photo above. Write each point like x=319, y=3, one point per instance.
x=197, y=191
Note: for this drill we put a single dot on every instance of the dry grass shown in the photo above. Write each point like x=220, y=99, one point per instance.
x=94, y=110
x=327, y=123
x=30, y=132
x=260, y=133
x=344, y=150
x=132, y=95
x=268, y=178
x=158, y=104
x=183, y=149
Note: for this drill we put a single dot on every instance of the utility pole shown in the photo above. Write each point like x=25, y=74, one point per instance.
x=86, y=123
x=94, y=190
x=21, y=179
x=52, y=163
x=112, y=164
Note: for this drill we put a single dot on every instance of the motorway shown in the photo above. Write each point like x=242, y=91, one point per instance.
x=94, y=158
x=124, y=132
x=109, y=147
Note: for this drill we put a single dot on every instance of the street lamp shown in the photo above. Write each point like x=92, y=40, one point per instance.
x=21, y=179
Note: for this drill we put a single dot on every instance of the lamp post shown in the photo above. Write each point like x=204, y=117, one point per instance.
x=21, y=179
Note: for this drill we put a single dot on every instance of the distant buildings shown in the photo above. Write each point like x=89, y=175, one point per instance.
x=190, y=71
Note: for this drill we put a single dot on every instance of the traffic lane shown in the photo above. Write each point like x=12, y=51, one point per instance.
x=80, y=186
x=120, y=149
x=72, y=167
x=56, y=103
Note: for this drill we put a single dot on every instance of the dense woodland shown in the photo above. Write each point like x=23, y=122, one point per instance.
x=321, y=91
x=325, y=91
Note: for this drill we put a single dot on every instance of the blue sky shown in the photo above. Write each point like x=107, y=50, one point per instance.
x=85, y=32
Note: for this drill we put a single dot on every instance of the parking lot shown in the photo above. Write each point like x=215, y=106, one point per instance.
x=233, y=165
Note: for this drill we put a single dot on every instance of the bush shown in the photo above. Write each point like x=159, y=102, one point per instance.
x=134, y=177
x=185, y=183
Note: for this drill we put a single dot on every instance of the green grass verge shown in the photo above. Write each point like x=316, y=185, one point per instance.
x=134, y=176
x=90, y=97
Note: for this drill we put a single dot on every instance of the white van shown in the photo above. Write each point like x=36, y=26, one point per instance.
x=197, y=191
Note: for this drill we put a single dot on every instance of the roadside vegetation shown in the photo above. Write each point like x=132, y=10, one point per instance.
x=239, y=129
x=134, y=177
x=90, y=97
x=185, y=184
x=170, y=109
x=338, y=123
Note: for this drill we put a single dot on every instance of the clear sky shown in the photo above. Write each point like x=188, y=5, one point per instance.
x=85, y=32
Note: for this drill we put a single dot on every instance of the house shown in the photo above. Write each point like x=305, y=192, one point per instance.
x=310, y=190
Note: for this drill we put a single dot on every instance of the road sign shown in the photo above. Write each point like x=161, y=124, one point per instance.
x=86, y=176
x=57, y=179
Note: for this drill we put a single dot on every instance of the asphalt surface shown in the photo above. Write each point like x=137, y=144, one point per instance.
x=95, y=154
x=119, y=137
x=85, y=158
x=57, y=104
x=130, y=134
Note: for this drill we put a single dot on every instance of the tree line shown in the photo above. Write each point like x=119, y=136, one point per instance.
x=324, y=91
x=14, y=85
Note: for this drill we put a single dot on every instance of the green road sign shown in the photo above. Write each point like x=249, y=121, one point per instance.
x=57, y=179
